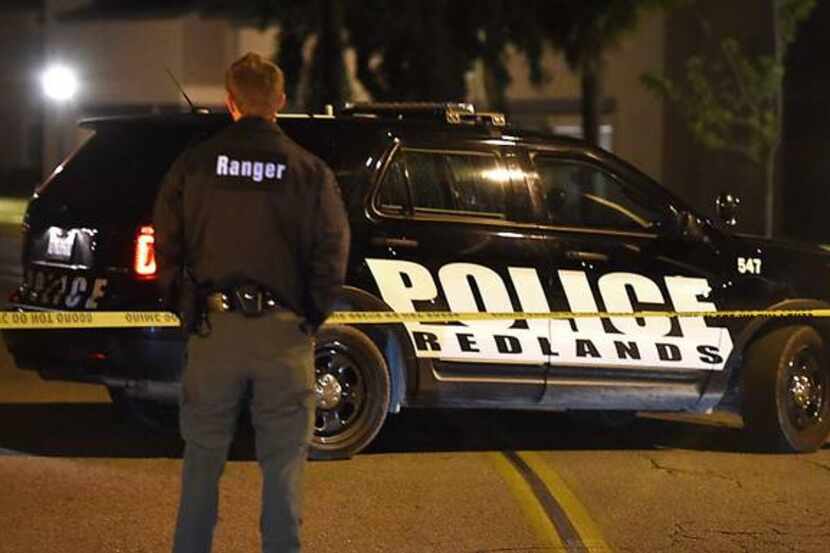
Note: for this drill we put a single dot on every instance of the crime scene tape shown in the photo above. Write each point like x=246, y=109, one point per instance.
x=40, y=320
x=381, y=317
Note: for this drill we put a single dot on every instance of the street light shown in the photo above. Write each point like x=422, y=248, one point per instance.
x=59, y=83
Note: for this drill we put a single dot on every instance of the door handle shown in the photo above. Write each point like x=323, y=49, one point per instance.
x=586, y=256
x=395, y=242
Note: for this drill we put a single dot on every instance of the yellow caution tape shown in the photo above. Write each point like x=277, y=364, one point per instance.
x=86, y=319
x=145, y=319
x=380, y=317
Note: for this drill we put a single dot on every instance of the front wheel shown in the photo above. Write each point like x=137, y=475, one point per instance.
x=352, y=387
x=786, y=403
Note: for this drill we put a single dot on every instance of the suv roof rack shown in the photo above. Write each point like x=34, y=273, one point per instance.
x=454, y=113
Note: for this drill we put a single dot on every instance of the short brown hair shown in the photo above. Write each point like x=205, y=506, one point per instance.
x=255, y=84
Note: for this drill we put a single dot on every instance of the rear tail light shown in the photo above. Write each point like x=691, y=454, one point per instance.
x=145, y=253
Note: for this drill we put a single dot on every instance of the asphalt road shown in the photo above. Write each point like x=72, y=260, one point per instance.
x=72, y=478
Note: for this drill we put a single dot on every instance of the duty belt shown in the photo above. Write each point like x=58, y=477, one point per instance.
x=248, y=300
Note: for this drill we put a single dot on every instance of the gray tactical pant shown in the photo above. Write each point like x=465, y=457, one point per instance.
x=276, y=358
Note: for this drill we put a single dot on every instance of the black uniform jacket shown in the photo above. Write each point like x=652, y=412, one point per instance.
x=249, y=204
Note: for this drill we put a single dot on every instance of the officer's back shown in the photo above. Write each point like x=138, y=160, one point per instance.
x=252, y=210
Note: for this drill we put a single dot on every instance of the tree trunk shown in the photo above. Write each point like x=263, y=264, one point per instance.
x=495, y=89
x=591, y=97
x=290, y=59
x=771, y=169
x=330, y=44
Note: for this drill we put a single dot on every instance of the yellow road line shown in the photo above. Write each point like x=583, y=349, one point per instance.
x=559, y=519
x=533, y=510
x=576, y=511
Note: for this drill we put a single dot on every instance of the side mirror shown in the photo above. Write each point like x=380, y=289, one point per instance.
x=687, y=227
x=727, y=206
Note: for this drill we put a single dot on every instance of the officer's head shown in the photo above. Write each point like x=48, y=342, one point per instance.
x=255, y=86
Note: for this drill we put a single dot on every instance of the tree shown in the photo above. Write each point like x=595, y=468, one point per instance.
x=422, y=49
x=584, y=32
x=410, y=52
x=418, y=50
x=300, y=22
x=733, y=102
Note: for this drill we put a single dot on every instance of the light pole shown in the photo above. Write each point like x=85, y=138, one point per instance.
x=60, y=86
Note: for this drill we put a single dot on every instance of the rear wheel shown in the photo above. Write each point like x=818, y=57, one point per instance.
x=352, y=386
x=786, y=404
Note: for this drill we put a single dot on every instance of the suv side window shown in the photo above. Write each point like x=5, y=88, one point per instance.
x=577, y=194
x=462, y=183
x=394, y=196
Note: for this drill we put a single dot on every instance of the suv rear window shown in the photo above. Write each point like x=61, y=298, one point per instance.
x=117, y=171
x=343, y=147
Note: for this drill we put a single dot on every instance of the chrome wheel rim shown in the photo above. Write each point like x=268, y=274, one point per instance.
x=340, y=389
x=806, y=386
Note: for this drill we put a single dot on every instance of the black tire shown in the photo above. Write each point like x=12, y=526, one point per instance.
x=786, y=400
x=353, y=392
x=150, y=414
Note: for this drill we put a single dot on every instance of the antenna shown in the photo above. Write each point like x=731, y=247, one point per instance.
x=193, y=108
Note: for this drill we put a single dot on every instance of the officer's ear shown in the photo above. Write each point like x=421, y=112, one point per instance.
x=281, y=103
x=233, y=109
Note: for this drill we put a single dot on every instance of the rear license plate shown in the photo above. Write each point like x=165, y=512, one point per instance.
x=60, y=245
x=61, y=290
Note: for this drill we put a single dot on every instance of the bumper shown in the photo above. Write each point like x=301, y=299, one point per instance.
x=113, y=357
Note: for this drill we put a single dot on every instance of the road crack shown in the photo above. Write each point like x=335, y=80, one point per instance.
x=680, y=531
x=750, y=541
x=526, y=549
x=817, y=464
x=677, y=471
x=546, y=549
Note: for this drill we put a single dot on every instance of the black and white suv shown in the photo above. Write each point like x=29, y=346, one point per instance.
x=451, y=210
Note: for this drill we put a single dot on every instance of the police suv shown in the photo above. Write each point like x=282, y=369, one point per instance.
x=453, y=211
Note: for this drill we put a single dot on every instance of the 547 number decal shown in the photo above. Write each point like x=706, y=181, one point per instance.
x=751, y=265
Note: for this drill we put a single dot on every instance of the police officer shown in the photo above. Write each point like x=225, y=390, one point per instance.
x=256, y=224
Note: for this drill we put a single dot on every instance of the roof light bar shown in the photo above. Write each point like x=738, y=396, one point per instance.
x=454, y=113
